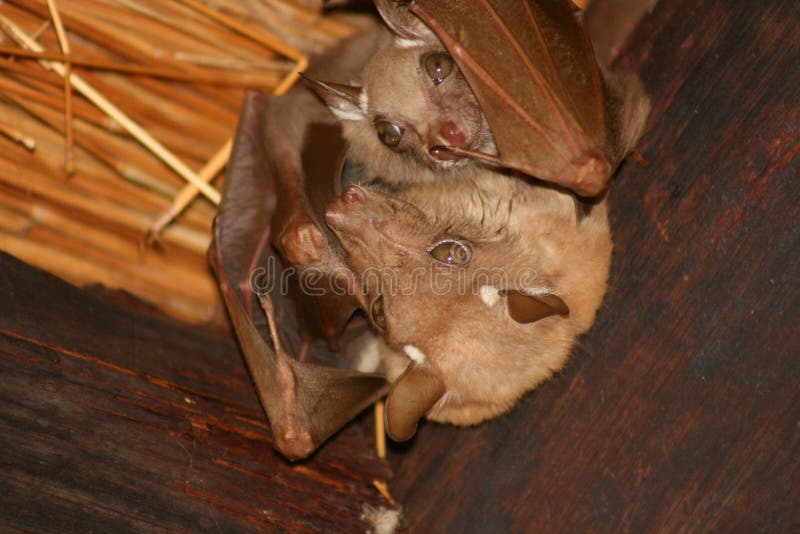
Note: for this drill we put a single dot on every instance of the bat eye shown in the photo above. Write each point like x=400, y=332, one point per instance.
x=438, y=66
x=376, y=313
x=452, y=252
x=389, y=133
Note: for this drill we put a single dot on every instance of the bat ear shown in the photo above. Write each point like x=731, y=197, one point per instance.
x=345, y=101
x=410, y=398
x=527, y=307
x=401, y=21
x=629, y=107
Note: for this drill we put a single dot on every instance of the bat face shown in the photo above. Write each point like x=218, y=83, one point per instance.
x=486, y=284
x=412, y=99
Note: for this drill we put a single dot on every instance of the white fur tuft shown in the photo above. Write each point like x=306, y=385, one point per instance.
x=383, y=520
x=369, y=355
x=401, y=42
x=347, y=115
x=415, y=354
x=489, y=295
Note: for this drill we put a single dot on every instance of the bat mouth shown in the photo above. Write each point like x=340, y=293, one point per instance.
x=454, y=153
x=443, y=153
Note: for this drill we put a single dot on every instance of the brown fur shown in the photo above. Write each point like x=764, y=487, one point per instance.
x=486, y=360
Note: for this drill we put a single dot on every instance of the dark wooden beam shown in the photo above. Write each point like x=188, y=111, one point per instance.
x=679, y=411
x=115, y=421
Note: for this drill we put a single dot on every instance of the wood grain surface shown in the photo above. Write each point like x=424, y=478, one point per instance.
x=116, y=421
x=680, y=410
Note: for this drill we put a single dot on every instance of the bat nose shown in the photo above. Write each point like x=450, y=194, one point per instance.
x=338, y=211
x=353, y=194
x=449, y=133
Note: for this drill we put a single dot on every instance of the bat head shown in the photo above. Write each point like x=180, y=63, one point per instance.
x=412, y=98
x=479, y=290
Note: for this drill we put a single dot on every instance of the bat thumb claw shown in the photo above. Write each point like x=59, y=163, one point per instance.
x=590, y=177
x=293, y=440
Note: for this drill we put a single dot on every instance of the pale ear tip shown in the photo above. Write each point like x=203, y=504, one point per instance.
x=402, y=436
x=558, y=304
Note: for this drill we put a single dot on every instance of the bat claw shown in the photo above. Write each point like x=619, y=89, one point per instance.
x=589, y=177
x=293, y=440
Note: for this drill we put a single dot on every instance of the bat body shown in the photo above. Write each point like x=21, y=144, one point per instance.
x=480, y=289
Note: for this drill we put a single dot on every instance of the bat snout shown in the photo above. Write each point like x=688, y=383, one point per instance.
x=353, y=194
x=446, y=134
x=340, y=213
x=452, y=134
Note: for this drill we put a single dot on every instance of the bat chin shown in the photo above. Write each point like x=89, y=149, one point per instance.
x=341, y=222
x=441, y=158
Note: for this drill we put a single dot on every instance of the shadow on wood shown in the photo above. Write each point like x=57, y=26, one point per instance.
x=680, y=409
x=115, y=421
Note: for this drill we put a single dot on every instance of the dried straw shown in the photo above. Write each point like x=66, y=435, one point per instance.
x=157, y=90
x=69, y=163
x=18, y=137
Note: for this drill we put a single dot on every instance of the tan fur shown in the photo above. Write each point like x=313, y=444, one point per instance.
x=396, y=88
x=486, y=359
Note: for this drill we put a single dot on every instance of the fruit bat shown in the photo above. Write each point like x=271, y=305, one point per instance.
x=410, y=99
x=479, y=289
x=270, y=213
x=534, y=100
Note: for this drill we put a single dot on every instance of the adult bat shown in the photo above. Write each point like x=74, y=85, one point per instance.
x=479, y=289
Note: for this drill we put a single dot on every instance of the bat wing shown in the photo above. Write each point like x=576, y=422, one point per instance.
x=305, y=402
x=532, y=68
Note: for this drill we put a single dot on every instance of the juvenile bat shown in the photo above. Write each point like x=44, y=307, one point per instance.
x=479, y=289
x=410, y=99
x=525, y=93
